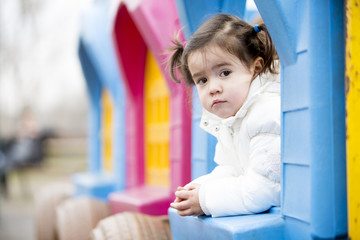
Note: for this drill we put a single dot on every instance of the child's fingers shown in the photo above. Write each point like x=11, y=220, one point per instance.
x=177, y=199
x=192, y=186
x=183, y=194
x=180, y=205
x=186, y=212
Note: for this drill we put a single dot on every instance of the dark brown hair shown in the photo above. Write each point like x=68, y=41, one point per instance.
x=229, y=33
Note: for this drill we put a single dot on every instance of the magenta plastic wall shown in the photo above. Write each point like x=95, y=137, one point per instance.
x=136, y=29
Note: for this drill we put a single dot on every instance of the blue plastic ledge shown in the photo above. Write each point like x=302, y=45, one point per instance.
x=257, y=226
x=95, y=185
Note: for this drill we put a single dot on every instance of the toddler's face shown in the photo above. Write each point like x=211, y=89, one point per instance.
x=222, y=81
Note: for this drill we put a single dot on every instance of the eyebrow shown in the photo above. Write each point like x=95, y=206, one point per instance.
x=216, y=66
x=220, y=65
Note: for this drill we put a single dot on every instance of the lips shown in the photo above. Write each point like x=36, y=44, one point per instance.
x=217, y=102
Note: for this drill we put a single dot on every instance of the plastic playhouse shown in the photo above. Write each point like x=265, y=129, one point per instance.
x=144, y=135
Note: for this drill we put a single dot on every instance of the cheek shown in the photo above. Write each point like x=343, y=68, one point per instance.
x=202, y=96
x=240, y=95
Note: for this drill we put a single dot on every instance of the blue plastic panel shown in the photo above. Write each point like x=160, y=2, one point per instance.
x=296, y=201
x=299, y=82
x=296, y=230
x=194, y=12
x=297, y=139
x=258, y=226
x=277, y=16
x=309, y=38
x=328, y=120
x=96, y=185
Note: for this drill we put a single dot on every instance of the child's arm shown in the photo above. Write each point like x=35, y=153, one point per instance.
x=255, y=191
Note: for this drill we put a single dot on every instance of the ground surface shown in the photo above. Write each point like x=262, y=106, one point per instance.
x=64, y=158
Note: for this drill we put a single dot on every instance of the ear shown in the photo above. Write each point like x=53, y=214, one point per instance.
x=257, y=66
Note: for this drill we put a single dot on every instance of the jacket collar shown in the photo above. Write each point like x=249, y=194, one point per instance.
x=269, y=83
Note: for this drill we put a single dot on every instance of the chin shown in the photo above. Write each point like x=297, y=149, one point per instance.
x=224, y=116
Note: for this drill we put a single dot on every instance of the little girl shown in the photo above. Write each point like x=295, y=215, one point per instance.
x=234, y=68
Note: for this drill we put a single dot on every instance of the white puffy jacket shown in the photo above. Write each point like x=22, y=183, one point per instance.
x=247, y=178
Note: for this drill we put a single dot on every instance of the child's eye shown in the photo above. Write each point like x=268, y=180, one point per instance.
x=201, y=81
x=225, y=73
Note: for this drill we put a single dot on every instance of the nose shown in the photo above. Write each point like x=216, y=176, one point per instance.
x=215, y=86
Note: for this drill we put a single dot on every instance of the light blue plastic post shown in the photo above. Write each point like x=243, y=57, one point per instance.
x=94, y=121
x=309, y=39
x=97, y=30
x=100, y=66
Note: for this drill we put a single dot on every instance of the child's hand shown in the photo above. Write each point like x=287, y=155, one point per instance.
x=177, y=199
x=187, y=201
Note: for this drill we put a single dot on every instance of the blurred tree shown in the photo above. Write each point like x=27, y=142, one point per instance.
x=39, y=67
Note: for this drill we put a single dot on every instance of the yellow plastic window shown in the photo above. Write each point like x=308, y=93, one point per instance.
x=156, y=125
x=106, y=133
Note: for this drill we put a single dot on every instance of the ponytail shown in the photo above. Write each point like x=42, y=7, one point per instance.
x=268, y=53
x=175, y=61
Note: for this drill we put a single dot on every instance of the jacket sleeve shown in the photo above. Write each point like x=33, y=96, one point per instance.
x=255, y=191
x=258, y=188
x=219, y=171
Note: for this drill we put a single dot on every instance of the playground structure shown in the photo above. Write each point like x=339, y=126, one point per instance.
x=106, y=117
x=159, y=145
x=157, y=117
